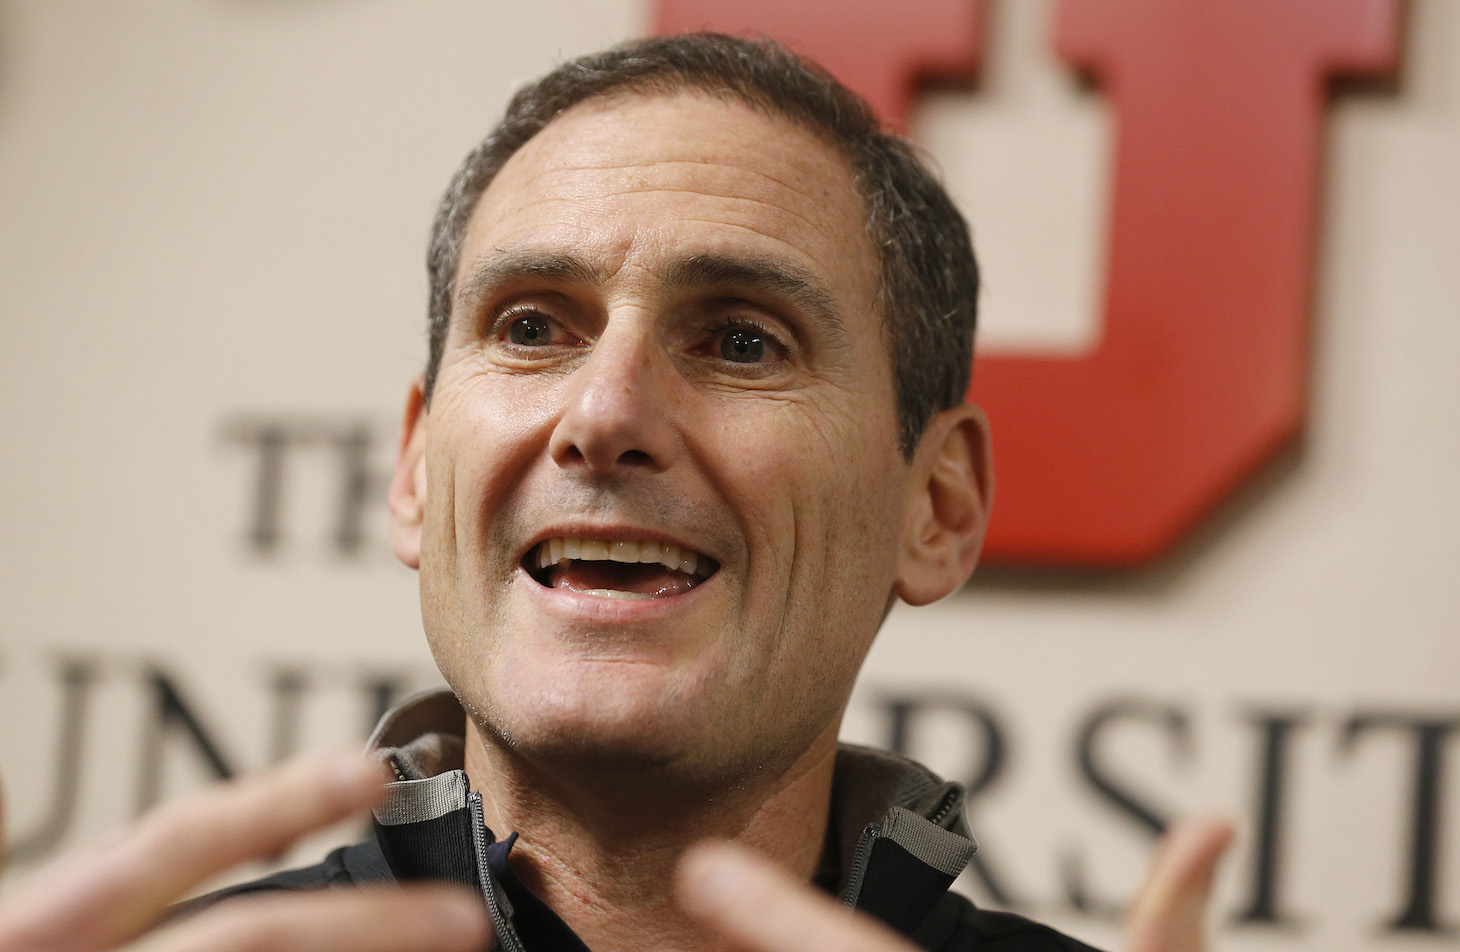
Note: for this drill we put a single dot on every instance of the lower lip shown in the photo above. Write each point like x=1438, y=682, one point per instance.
x=607, y=608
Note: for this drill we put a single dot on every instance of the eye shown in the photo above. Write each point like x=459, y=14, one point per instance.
x=743, y=345
x=531, y=330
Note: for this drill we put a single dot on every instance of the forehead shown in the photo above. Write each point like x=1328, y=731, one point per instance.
x=630, y=179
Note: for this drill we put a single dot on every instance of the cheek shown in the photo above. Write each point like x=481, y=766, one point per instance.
x=484, y=435
x=852, y=514
x=844, y=457
x=820, y=483
x=480, y=412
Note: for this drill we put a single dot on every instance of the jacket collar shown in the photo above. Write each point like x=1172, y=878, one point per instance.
x=896, y=839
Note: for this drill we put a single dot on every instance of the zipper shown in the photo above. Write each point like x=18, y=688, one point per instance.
x=507, y=938
x=860, y=860
x=944, y=807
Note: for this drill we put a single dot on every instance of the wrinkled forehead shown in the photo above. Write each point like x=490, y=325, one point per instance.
x=695, y=125
x=685, y=168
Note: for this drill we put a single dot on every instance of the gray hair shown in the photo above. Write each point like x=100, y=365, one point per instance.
x=928, y=282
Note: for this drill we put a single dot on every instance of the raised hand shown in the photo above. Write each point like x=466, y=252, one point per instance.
x=1170, y=913
x=113, y=898
x=760, y=908
x=757, y=907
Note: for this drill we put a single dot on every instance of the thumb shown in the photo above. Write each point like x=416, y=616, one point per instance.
x=1170, y=913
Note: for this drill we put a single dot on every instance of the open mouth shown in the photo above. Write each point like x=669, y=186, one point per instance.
x=617, y=569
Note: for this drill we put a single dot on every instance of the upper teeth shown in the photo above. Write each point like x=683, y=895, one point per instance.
x=553, y=551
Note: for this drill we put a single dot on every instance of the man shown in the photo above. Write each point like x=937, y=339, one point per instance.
x=692, y=420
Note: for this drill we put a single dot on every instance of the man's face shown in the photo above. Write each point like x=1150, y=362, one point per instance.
x=665, y=335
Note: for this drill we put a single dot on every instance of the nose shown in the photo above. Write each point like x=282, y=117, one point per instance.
x=617, y=414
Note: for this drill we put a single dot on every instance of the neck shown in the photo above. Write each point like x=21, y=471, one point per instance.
x=605, y=862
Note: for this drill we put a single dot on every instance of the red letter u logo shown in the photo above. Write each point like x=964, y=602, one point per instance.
x=1200, y=373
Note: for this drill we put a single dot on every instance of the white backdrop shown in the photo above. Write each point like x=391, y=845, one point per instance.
x=212, y=222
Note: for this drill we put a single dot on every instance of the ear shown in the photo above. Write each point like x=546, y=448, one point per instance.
x=408, y=485
x=948, y=506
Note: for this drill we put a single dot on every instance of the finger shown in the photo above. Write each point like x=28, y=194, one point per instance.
x=1169, y=915
x=428, y=919
x=758, y=907
x=101, y=900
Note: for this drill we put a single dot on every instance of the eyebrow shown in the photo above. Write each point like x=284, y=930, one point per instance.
x=504, y=266
x=730, y=272
x=754, y=273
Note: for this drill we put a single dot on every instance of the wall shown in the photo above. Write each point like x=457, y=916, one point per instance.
x=213, y=220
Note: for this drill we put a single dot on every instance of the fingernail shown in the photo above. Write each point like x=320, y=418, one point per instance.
x=710, y=872
x=348, y=773
x=459, y=917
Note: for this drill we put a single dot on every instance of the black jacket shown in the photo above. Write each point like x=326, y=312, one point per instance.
x=897, y=841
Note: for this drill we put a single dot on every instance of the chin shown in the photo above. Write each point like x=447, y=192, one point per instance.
x=601, y=716
x=659, y=713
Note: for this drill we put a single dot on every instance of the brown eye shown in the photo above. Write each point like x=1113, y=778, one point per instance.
x=530, y=331
x=743, y=345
